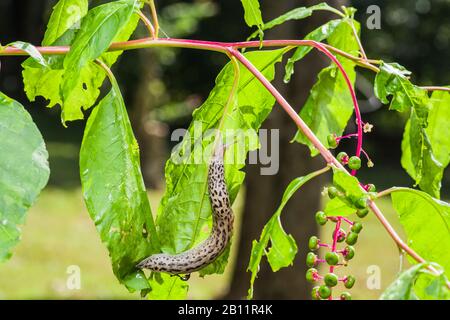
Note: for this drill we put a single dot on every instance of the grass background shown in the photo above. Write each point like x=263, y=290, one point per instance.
x=59, y=233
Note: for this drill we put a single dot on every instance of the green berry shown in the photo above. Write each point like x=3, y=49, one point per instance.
x=311, y=259
x=324, y=292
x=315, y=293
x=354, y=163
x=331, y=279
x=321, y=218
x=341, y=235
x=332, y=192
x=349, y=253
x=310, y=275
x=371, y=188
x=346, y=296
x=361, y=203
x=357, y=227
x=352, y=237
x=362, y=212
x=332, y=258
x=349, y=282
x=313, y=243
x=342, y=157
x=332, y=142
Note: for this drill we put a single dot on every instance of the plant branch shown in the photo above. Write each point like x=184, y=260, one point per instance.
x=230, y=48
x=147, y=24
x=326, y=154
x=151, y=3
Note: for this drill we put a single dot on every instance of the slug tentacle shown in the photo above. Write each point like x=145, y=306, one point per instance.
x=206, y=252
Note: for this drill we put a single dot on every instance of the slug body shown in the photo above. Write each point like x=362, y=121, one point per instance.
x=206, y=252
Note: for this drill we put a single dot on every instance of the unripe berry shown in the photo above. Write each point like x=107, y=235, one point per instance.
x=342, y=157
x=346, y=296
x=349, y=253
x=311, y=259
x=331, y=279
x=361, y=203
x=349, y=282
x=357, y=227
x=332, y=258
x=352, y=237
x=371, y=188
x=341, y=235
x=313, y=243
x=362, y=212
x=315, y=293
x=324, y=292
x=354, y=163
x=332, y=192
x=311, y=275
x=321, y=218
x=332, y=142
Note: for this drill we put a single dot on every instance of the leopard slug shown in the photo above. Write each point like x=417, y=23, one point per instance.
x=206, y=252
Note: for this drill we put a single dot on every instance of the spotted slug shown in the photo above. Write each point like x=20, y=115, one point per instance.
x=207, y=251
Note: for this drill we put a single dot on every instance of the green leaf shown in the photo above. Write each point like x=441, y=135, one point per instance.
x=184, y=215
x=329, y=106
x=44, y=82
x=427, y=224
x=349, y=186
x=167, y=287
x=252, y=15
x=31, y=50
x=336, y=207
x=392, y=80
x=319, y=34
x=418, y=283
x=99, y=28
x=425, y=150
x=438, y=123
x=66, y=14
x=402, y=287
x=283, y=247
x=431, y=287
x=24, y=170
x=294, y=14
x=417, y=155
x=114, y=191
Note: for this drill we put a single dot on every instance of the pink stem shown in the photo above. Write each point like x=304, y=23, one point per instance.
x=347, y=136
x=346, y=220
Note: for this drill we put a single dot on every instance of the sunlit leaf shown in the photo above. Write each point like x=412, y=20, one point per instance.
x=24, y=170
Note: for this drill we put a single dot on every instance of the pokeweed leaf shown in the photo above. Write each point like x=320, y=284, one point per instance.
x=114, y=190
x=66, y=14
x=329, y=105
x=44, y=82
x=319, y=34
x=426, y=222
x=98, y=29
x=184, y=216
x=253, y=16
x=31, y=50
x=294, y=14
x=403, y=287
x=392, y=81
x=24, y=170
x=418, y=283
x=283, y=248
x=167, y=287
x=336, y=207
x=425, y=150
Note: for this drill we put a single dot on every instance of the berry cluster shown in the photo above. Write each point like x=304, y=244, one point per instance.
x=332, y=257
